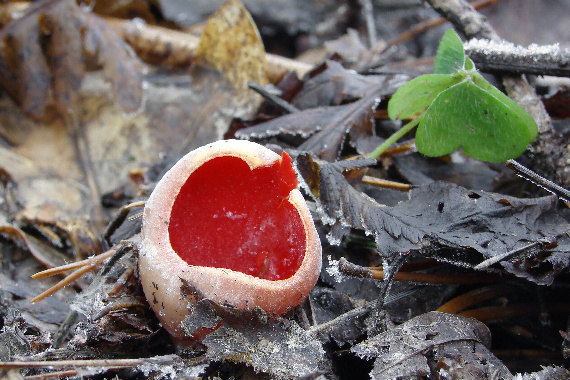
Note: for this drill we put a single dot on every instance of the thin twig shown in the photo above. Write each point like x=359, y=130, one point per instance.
x=114, y=363
x=358, y=312
x=505, y=57
x=354, y=270
x=377, y=304
x=465, y=18
x=106, y=363
x=429, y=278
x=368, y=12
x=527, y=251
x=546, y=184
x=381, y=47
x=53, y=375
x=285, y=106
x=123, y=279
x=349, y=315
x=120, y=218
x=126, y=247
x=83, y=156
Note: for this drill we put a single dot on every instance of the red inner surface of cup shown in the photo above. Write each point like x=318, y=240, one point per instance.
x=229, y=216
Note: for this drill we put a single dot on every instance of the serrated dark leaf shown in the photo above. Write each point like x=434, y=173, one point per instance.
x=427, y=343
x=303, y=124
x=325, y=119
x=346, y=208
x=354, y=118
x=453, y=224
x=325, y=127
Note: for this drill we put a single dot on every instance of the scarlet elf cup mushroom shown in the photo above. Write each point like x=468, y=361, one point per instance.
x=229, y=220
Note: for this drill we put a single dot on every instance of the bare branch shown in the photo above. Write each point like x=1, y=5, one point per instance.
x=505, y=57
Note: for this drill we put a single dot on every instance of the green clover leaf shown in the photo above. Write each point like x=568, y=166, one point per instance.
x=529, y=121
x=476, y=121
x=416, y=95
x=450, y=56
x=457, y=108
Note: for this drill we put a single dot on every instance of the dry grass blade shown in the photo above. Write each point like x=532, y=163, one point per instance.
x=66, y=281
x=81, y=267
x=386, y=184
x=473, y=297
x=96, y=260
x=484, y=314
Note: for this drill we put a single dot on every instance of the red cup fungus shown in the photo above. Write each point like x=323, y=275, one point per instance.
x=229, y=220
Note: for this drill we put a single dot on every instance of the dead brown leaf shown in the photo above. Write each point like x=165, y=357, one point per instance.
x=61, y=169
x=232, y=45
x=45, y=52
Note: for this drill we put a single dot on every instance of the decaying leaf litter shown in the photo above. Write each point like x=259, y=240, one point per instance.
x=111, y=125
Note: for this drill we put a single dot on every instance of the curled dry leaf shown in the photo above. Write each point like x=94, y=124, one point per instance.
x=279, y=347
x=44, y=253
x=45, y=200
x=44, y=55
x=430, y=343
x=17, y=287
x=120, y=65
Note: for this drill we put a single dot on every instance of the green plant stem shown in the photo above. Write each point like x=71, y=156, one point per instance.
x=396, y=136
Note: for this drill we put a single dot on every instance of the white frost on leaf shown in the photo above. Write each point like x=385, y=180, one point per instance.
x=333, y=269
